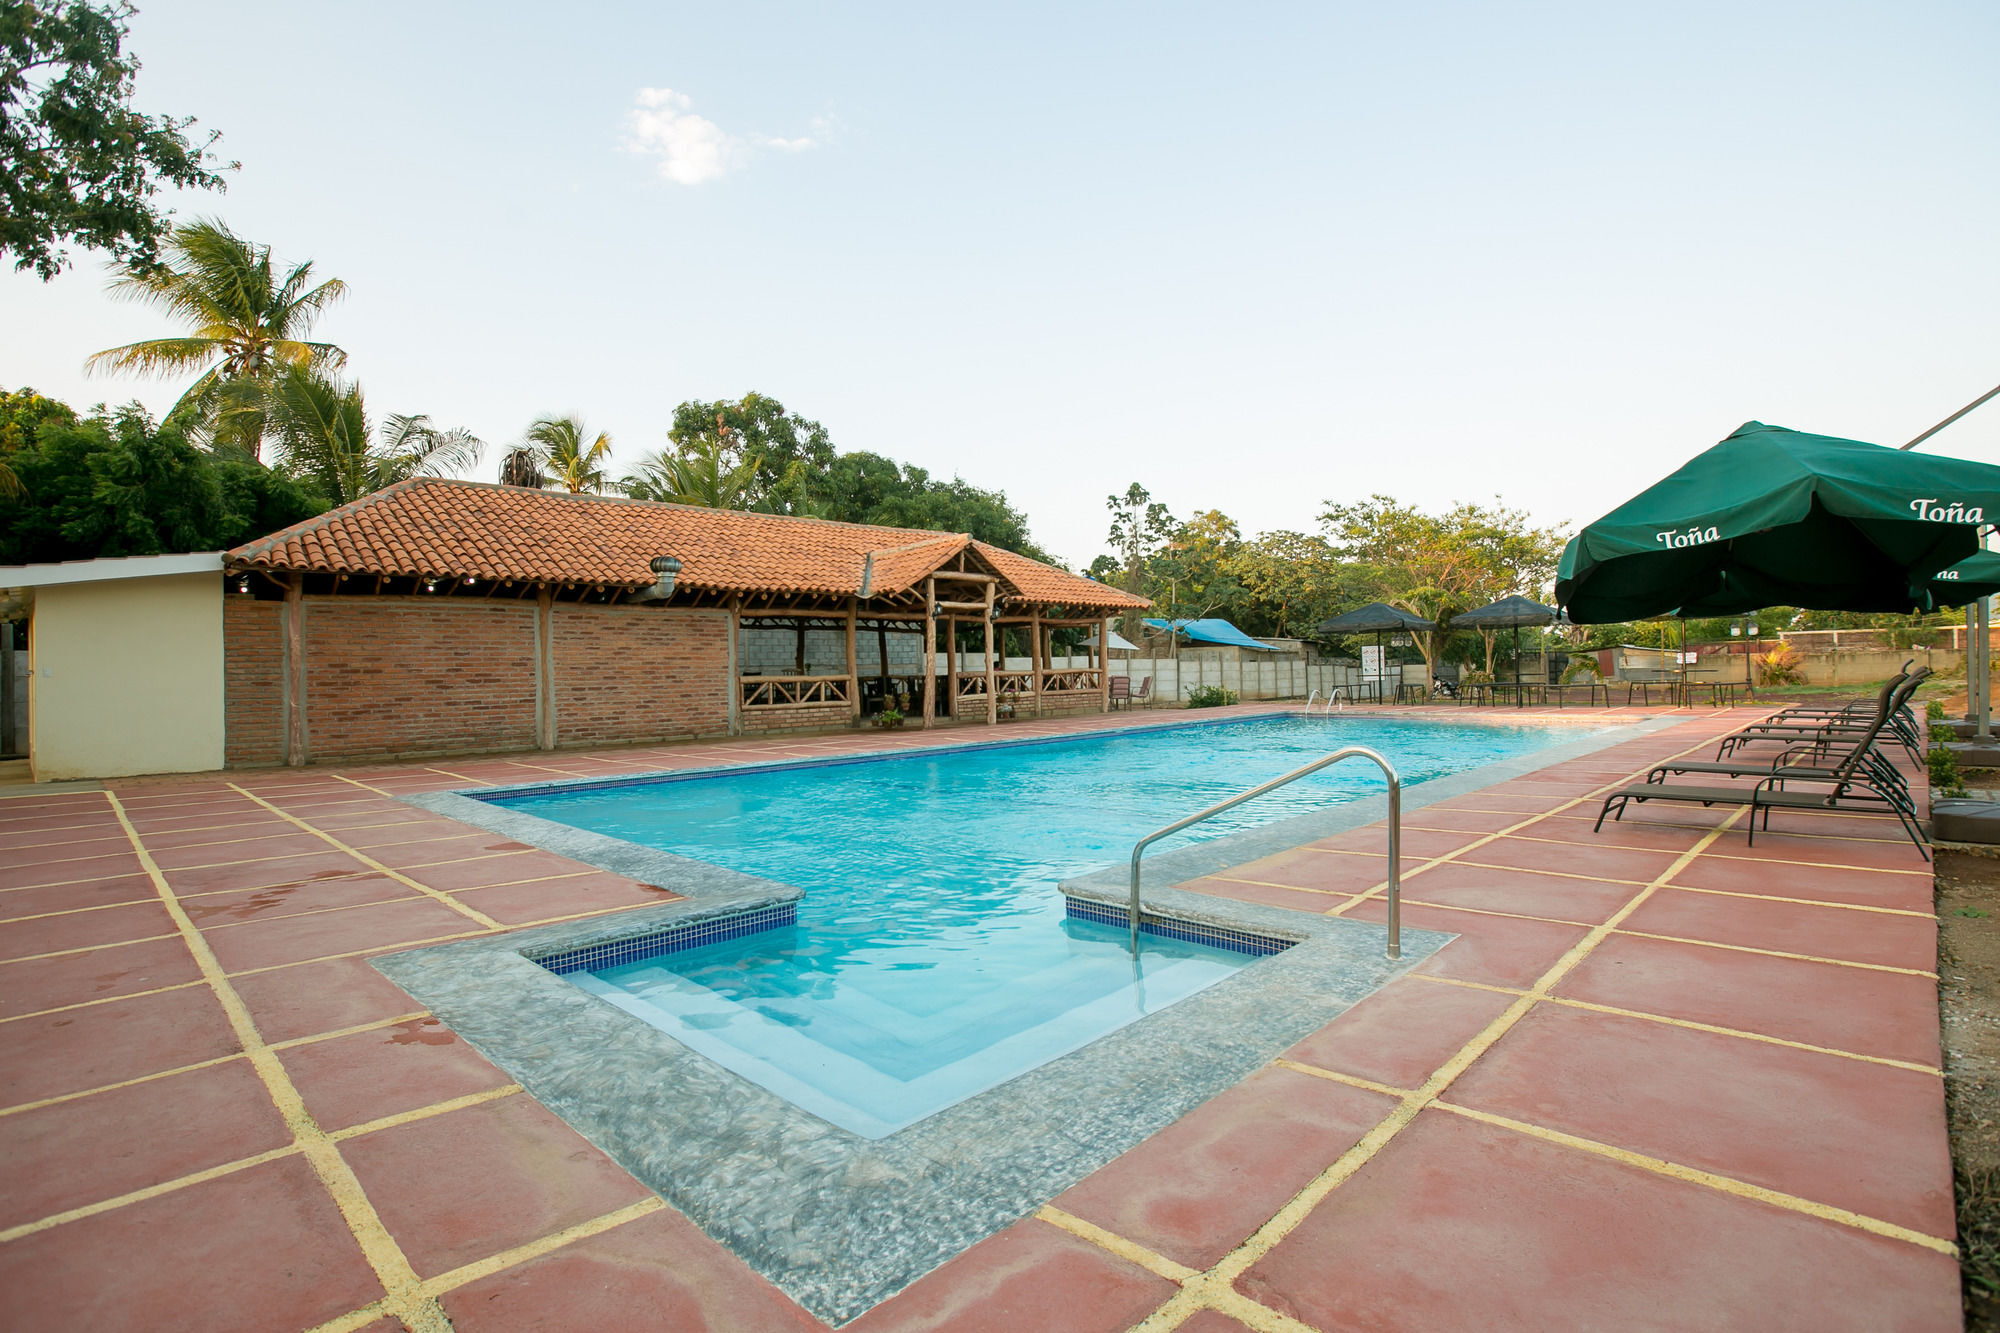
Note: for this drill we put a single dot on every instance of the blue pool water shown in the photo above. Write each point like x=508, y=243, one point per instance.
x=932, y=957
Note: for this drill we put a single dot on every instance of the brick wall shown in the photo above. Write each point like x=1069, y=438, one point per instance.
x=253, y=682
x=417, y=675
x=796, y=717
x=1068, y=703
x=636, y=673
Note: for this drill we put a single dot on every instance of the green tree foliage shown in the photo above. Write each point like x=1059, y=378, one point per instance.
x=1140, y=527
x=23, y=413
x=1437, y=565
x=116, y=484
x=245, y=324
x=77, y=163
x=326, y=438
x=868, y=488
x=789, y=451
x=699, y=473
x=1291, y=582
x=1195, y=574
x=563, y=450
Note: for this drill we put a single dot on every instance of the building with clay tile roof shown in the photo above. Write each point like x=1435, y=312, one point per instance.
x=441, y=617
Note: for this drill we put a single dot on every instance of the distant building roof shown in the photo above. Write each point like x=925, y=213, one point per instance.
x=430, y=527
x=109, y=567
x=1213, y=631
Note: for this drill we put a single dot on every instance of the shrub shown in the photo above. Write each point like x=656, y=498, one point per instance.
x=1934, y=711
x=1210, y=696
x=1476, y=678
x=1780, y=666
x=1943, y=765
x=1586, y=665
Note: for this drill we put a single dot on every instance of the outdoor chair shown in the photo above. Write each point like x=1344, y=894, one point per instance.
x=1121, y=690
x=1857, y=778
x=1144, y=694
x=1899, y=719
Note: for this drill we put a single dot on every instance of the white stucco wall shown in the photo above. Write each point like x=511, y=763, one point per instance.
x=127, y=677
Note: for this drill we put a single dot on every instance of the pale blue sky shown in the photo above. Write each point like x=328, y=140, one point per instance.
x=1252, y=256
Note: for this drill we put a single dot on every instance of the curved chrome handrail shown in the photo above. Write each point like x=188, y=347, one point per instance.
x=1395, y=949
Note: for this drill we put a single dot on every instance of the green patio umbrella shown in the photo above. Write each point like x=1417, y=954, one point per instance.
x=1976, y=576
x=1776, y=517
x=1510, y=612
x=1377, y=618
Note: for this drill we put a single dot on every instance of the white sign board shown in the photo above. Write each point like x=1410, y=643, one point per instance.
x=1371, y=659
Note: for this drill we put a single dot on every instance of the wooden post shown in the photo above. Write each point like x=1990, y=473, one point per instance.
x=853, y=668
x=992, y=684
x=735, y=666
x=545, y=662
x=882, y=660
x=1036, y=655
x=295, y=671
x=799, y=653
x=930, y=651
x=951, y=666
x=1104, y=664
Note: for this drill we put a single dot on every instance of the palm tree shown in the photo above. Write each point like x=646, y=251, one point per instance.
x=321, y=426
x=522, y=467
x=247, y=326
x=558, y=446
x=697, y=474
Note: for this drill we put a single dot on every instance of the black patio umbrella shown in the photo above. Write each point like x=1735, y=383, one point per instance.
x=1508, y=613
x=1377, y=618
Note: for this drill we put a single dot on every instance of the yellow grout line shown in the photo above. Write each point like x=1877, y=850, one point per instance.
x=1720, y=1183
x=1335, y=1076
x=392, y=1267
x=154, y=1191
x=103, y=999
x=88, y=948
x=495, y=1263
x=1802, y=902
x=1130, y=1251
x=371, y=862
x=358, y=1028
x=1781, y=953
x=415, y=1114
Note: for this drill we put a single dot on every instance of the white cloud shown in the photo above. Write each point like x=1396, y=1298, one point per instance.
x=691, y=149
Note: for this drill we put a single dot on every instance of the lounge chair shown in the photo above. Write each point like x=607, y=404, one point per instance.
x=1900, y=721
x=1857, y=776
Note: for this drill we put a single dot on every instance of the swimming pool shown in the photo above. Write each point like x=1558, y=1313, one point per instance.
x=931, y=956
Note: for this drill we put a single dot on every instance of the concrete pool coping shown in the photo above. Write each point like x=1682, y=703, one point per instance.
x=840, y=1222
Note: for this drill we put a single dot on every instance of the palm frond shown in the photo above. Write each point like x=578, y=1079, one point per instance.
x=156, y=356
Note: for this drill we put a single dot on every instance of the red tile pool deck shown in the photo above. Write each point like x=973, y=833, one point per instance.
x=1662, y=1080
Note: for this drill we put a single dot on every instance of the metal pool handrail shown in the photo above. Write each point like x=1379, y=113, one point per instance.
x=1395, y=949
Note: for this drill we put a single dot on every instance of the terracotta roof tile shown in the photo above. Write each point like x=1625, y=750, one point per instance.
x=430, y=527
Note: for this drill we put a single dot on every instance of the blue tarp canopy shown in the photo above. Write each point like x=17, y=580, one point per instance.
x=1213, y=631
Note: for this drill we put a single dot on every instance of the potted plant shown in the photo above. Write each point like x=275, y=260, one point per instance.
x=889, y=718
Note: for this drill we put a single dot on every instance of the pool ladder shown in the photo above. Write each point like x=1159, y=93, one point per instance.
x=1338, y=696
x=1395, y=948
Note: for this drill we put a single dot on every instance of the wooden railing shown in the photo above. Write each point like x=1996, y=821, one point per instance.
x=1080, y=681
x=791, y=691
x=972, y=686
x=1014, y=682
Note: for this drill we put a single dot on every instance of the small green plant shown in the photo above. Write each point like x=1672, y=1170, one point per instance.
x=1973, y=912
x=1210, y=696
x=1943, y=764
x=1941, y=733
x=1586, y=665
x=1934, y=711
x=890, y=716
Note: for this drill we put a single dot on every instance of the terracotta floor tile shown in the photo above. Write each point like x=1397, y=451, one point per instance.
x=458, y=1187
x=1193, y=1191
x=84, y=930
x=452, y=842
x=1030, y=1276
x=1820, y=1127
x=259, y=874
x=66, y=847
x=1527, y=892
x=235, y=851
x=1462, y=1225
x=319, y=997
x=1341, y=872
x=1822, y=932
x=110, y=1143
x=492, y=870
x=46, y=983
x=69, y=870
x=109, y=1043
x=1453, y=820
x=218, y=829
x=1494, y=950
x=1418, y=844
x=294, y=939
x=538, y=900
x=1844, y=1008
x=661, y=1264
x=1652, y=835
x=379, y=832
x=68, y=897
x=260, y=1249
x=350, y=1080
x=1403, y=1032
x=1872, y=888
x=1211, y=1321
x=1627, y=863
x=1298, y=900
x=225, y=908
